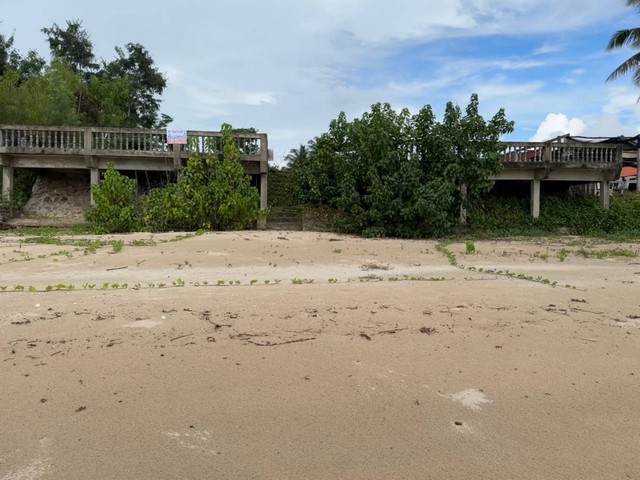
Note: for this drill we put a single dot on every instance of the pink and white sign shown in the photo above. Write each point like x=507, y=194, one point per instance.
x=175, y=136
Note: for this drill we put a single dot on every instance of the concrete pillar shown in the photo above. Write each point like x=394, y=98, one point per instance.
x=604, y=194
x=535, y=198
x=7, y=184
x=262, y=221
x=95, y=180
x=177, y=160
x=263, y=191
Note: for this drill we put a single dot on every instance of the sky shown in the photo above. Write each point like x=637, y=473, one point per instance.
x=288, y=67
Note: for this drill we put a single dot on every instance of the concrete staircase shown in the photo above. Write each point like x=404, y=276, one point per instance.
x=285, y=218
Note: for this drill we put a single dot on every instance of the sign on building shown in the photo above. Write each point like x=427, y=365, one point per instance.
x=176, y=136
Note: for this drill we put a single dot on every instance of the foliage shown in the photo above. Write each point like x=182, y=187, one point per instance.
x=114, y=203
x=577, y=215
x=72, y=89
x=23, y=181
x=213, y=193
x=395, y=174
x=281, y=187
x=135, y=65
x=73, y=45
x=631, y=38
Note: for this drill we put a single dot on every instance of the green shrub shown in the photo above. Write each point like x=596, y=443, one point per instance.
x=212, y=193
x=114, y=209
x=624, y=214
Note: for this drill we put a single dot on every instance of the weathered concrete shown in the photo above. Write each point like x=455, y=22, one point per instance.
x=59, y=194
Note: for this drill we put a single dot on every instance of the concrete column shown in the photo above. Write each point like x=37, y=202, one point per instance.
x=263, y=191
x=95, y=180
x=177, y=160
x=262, y=221
x=7, y=183
x=535, y=198
x=604, y=194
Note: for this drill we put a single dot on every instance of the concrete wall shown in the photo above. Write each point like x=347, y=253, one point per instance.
x=58, y=194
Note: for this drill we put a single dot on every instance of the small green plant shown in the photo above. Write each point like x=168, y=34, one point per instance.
x=442, y=248
x=142, y=243
x=220, y=283
x=178, y=282
x=470, y=248
x=253, y=282
x=19, y=288
x=117, y=246
x=32, y=288
x=545, y=256
x=3, y=287
x=337, y=250
x=333, y=280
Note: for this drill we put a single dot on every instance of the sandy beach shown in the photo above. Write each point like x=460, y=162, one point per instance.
x=302, y=355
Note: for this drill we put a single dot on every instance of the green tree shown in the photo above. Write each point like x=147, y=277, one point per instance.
x=124, y=92
x=212, y=193
x=297, y=155
x=627, y=38
x=395, y=174
x=72, y=44
x=468, y=150
x=146, y=84
x=114, y=208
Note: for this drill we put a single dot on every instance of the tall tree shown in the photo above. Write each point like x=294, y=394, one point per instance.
x=147, y=84
x=71, y=44
x=124, y=92
x=627, y=38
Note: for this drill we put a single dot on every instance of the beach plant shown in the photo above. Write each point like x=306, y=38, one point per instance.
x=114, y=208
x=470, y=248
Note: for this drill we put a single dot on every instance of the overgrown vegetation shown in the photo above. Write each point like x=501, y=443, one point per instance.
x=212, y=193
x=115, y=208
x=393, y=174
x=574, y=215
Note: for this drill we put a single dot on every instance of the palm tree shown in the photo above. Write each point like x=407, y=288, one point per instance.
x=629, y=37
x=298, y=155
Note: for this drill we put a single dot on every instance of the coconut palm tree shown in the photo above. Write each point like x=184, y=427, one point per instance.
x=297, y=155
x=629, y=37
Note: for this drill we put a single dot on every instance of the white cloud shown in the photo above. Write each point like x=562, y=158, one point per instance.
x=622, y=100
x=556, y=124
x=548, y=48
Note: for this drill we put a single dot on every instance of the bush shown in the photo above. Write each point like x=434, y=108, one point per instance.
x=394, y=174
x=212, y=193
x=114, y=208
x=579, y=215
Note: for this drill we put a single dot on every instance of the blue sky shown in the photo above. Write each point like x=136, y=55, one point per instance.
x=287, y=67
